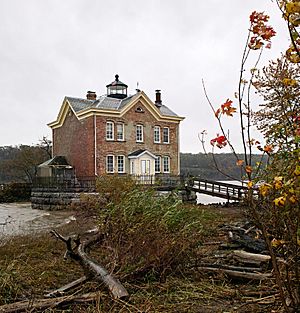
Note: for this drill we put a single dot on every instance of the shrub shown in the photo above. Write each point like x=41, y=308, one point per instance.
x=147, y=234
x=15, y=192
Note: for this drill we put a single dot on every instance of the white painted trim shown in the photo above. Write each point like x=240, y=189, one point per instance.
x=141, y=154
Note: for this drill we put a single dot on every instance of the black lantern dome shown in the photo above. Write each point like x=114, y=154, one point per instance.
x=117, y=89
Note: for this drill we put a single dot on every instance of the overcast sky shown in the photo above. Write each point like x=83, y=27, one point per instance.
x=56, y=48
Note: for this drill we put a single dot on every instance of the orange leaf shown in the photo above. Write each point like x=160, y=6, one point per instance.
x=239, y=162
x=248, y=169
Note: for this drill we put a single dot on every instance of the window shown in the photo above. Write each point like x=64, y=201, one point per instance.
x=121, y=163
x=166, y=164
x=166, y=135
x=139, y=133
x=157, y=164
x=156, y=134
x=109, y=131
x=109, y=163
x=120, y=132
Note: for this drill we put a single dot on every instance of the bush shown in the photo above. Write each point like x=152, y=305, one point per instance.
x=15, y=192
x=148, y=235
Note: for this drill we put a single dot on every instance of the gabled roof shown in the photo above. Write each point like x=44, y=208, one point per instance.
x=108, y=106
x=56, y=161
x=138, y=153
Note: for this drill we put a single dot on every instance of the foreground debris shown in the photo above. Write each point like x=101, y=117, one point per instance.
x=242, y=264
x=92, y=269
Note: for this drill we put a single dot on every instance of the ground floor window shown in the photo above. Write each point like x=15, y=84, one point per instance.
x=121, y=163
x=166, y=164
x=109, y=163
x=157, y=164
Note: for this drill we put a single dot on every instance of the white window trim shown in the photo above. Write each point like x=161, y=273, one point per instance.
x=113, y=133
x=122, y=156
x=142, y=129
x=155, y=129
x=169, y=164
x=158, y=158
x=123, y=132
x=106, y=164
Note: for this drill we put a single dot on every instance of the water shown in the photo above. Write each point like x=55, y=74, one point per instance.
x=20, y=218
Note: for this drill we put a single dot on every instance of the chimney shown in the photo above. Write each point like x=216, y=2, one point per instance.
x=91, y=95
x=158, y=98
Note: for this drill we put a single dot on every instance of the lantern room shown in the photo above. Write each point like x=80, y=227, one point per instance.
x=117, y=89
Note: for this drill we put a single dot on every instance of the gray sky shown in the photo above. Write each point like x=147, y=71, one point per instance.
x=56, y=48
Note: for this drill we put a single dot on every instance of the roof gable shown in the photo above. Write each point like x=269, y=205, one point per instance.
x=107, y=106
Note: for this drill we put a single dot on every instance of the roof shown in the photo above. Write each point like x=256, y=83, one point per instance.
x=110, y=106
x=56, y=161
x=140, y=152
x=104, y=102
x=136, y=153
x=117, y=82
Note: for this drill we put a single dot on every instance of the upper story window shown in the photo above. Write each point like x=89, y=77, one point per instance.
x=156, y=134
x=139, y=135
x=121, y=163
x=166, y=164
x=157, y=164
x=120, y=132
x=110, y=164
x=109, y=131
x=166, y=135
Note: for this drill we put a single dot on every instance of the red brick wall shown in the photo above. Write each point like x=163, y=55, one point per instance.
x=130, y=120
x=75, y=140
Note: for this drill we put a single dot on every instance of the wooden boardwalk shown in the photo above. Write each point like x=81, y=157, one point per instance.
x=217, y=189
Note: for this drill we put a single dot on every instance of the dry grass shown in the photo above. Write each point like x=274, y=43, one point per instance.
x=30, y=266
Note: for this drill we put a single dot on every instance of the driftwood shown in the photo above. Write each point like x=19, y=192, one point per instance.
x=237, y=274
x=232, y=267
x=251, y=256
x=91, y=268
x=42, y=304
x=60, y=291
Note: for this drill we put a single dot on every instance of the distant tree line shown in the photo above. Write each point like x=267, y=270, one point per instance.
x=19, y=163
x=221, y=166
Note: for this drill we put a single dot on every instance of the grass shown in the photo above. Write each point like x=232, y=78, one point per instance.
x=31, y=266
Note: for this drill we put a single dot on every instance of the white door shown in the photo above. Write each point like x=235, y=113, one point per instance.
x=145, y=167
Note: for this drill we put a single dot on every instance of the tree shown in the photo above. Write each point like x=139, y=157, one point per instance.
x=22, y=164
x=276, y=211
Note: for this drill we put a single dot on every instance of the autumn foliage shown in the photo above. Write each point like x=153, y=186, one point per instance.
x=276, y=209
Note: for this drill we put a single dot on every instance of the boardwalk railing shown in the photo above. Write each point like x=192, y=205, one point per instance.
x=160, y=182
x=217, y=189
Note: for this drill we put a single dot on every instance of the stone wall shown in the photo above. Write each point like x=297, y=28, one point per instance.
x=45, y=200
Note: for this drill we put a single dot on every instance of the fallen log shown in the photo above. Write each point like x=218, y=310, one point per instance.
x=30, y=305
x=91, y=268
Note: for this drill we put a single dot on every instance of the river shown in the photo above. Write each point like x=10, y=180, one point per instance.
x=20, y=218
